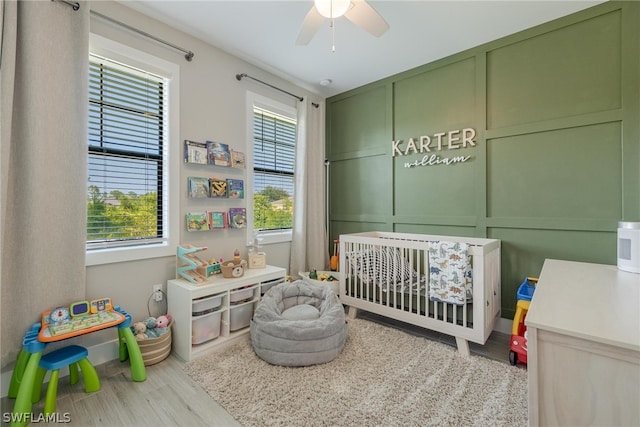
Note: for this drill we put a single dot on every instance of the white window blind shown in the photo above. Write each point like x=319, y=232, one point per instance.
x=274, y=142
x=128, y=156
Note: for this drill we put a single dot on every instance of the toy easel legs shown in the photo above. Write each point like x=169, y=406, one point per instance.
x=22, y=407
x=18, y=372
x=129, y=347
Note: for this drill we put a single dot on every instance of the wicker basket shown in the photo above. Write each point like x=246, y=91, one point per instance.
x=227, y=268
x=155, y=350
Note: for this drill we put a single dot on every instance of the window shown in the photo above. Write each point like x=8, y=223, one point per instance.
x=129, y=203
x=274, y=146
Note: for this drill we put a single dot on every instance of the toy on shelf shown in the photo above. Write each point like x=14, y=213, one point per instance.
x=235, y=268
x=518, y=347
x=257, y=259
x=212, y=267
x=187, y=264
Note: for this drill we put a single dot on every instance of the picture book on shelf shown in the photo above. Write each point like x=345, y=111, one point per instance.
x=195, y=152
x=198, y=187
x=237, y=159
x=235, y=188
x=218, y=187
x=219, y=154
x=197, y=221
x=217, y=220
x=237, y=217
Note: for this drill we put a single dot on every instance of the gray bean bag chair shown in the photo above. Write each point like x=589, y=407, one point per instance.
x=298, y=324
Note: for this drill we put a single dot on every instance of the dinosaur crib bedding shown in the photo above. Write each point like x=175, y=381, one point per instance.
x=447, y=271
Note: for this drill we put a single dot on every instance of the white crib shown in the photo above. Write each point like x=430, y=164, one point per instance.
x=395, y=275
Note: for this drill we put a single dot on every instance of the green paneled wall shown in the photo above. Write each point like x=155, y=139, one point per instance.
x=564, y=173
x=556, y=110
x=423, y=104
x=570, y=71
x=356, y=192
x=369, y=111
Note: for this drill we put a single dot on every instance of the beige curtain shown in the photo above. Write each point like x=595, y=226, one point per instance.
x=43, y=131
x=309, y=247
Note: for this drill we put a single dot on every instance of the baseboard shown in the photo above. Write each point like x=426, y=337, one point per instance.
x=503, y=325
x=98, y=354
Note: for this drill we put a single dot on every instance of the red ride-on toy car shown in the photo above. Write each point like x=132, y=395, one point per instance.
x=518, y=352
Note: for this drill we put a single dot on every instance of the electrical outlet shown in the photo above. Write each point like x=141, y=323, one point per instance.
x=157, y=292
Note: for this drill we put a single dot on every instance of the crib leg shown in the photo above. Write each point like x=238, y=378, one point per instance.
x=463, y=346
x=352, y=312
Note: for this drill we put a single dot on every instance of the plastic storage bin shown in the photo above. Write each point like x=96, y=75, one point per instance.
x=239, y=295
x=206, y=305
x=205, y=328
x=270, y=284
x=240, y=316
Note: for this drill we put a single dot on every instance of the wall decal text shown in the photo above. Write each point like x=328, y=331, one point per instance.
x=451, y=140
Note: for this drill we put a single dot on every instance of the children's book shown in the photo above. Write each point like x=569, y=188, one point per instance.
x=237, y=159
x=198, y=187
x=217, y=220
x=197, y=221
x=218, y=187
x=195, y=152
x=237, y=217
x=219, y=154
x=235, y=188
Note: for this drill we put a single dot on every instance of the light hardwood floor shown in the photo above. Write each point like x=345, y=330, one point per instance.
x=170, y=398
x=167, y=398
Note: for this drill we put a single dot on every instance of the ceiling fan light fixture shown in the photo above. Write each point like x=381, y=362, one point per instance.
x=332, y=8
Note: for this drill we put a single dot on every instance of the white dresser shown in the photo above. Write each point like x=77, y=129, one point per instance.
x=583, y=328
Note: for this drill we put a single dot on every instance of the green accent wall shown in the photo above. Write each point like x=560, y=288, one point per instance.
x=556, y=165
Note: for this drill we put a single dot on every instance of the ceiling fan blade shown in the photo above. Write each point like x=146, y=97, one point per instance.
x=364, y=16
x=310, y=26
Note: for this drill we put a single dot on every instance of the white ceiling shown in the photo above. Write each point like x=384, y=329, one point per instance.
x=263, y=32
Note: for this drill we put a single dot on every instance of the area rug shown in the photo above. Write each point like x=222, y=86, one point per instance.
x=383, y=377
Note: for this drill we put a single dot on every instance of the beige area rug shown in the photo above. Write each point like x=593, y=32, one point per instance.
x=383, y=377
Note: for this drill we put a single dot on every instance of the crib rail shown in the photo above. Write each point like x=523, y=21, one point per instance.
x=388, y=274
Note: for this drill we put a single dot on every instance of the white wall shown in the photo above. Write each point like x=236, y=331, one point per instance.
x=212, y=107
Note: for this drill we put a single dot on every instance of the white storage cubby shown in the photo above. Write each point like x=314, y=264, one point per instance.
x=209, y=315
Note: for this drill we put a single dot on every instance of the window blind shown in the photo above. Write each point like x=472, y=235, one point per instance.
x=126, y=200
x=274, y=141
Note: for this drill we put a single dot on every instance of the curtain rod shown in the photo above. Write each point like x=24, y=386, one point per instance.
x=75, y=6
x=240, y=76
x=188, y=54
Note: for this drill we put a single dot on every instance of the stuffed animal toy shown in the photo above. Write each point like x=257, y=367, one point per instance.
x=150, y=322
x=139, y=330
x=162, y=325
x=163, y=321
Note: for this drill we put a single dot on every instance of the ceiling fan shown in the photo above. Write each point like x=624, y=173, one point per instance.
x=357, y=11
